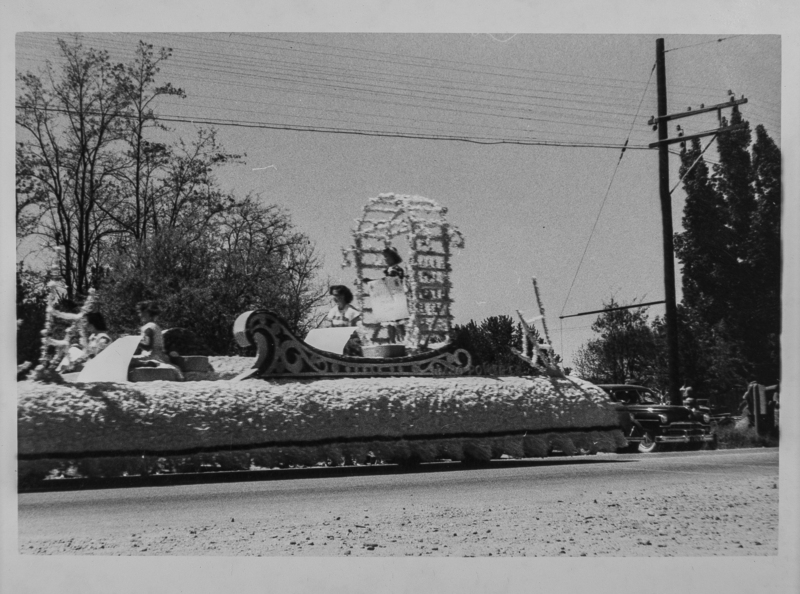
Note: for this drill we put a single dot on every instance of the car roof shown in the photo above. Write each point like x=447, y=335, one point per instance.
x=612, y=386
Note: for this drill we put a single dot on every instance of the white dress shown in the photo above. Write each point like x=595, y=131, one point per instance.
x=153, y=343
x=339, y=318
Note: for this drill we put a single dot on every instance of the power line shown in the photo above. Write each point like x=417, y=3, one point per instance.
x=490, y=114
x=527, y=96
x=674, y=49
x=468, y=139
x=605, y=197
x=294, y=74
x=492, y=69
x=621, y=307
x=633, y=83
x=169, y=101
x=697, y=160
x=451, y=65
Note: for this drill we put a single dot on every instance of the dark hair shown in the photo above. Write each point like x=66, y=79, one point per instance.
x=391, y=253
x=150, y=307
x=95, y=318
x=343, y=291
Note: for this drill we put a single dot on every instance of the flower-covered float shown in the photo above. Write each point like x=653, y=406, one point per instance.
x=298, y=404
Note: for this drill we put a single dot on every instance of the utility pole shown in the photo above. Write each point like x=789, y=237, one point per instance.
x=671, y=314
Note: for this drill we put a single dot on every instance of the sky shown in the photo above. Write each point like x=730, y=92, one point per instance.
x=524, y=210
x=523, y=144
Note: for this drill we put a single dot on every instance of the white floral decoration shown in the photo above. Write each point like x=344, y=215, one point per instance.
x=422, y=222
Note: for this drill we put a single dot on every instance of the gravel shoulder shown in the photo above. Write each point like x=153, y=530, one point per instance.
x=686, y=513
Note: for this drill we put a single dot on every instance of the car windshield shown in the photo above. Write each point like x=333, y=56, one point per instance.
x=626, y=396
x=647, y=397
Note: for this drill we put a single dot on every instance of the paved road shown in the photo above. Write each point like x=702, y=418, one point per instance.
x=693, y=503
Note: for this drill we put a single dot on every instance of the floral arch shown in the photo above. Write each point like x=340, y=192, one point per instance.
x=429, y=244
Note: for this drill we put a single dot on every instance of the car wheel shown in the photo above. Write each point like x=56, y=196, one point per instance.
x=648, y=444
x=712, y=445
x=631, y=448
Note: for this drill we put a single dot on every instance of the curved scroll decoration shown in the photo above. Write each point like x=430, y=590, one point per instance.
x=282, y=354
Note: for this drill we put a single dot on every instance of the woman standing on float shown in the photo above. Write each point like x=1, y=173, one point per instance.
x=392, y=259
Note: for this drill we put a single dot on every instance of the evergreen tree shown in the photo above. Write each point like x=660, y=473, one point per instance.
x=765, y=254
x=730, y=256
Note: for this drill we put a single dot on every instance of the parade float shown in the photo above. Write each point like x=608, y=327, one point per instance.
x=410, y=401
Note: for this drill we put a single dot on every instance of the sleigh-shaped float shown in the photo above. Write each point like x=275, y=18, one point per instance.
x=422, y=303
x=299, y=404
x=280, y=353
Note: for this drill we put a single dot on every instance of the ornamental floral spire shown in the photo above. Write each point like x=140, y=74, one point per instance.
x=420, y=223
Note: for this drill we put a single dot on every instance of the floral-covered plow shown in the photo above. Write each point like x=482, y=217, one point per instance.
x=117, y=429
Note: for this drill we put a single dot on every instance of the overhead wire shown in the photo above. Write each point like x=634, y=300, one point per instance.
x=331, y=130
x=490, y=69
x=634, y=84
x=526, y=99
x=674, y=49
x=293, y=75
x=700, y=156
x=446, y=105
x=605, y=197
x=515, y=117
x=468, y=125
x=240, y=60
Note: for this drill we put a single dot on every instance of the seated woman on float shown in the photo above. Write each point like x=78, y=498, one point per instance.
x=342, y=313
x=98, y=339
x=151, y=344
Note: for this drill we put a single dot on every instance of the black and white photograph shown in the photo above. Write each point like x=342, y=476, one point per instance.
x=356, y=298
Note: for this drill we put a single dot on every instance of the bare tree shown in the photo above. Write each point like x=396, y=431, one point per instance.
x=139, y=182
x=71, y=120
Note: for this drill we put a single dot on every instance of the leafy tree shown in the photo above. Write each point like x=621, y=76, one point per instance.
x=490, y=344
x=711, y=361
x=31, y=308
x=704, y=248
x=138, y=218
x=252, y=257
x=765, y=257
x=730, y=250
x=624, y=351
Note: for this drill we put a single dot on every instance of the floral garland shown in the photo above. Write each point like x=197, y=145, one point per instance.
x=50, y=358
x=538, y=352
x=422, y=221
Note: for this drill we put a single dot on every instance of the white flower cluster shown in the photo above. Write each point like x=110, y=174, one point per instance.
x=430, y=242
x=240, y=425
x=77, y=325
x=169, y=416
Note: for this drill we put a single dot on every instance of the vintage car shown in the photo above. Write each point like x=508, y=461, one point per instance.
x=655, y=425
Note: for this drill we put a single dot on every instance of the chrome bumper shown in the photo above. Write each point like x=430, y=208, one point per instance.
x=684, y=438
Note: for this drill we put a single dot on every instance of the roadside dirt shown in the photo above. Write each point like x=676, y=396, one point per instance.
x=739, y=516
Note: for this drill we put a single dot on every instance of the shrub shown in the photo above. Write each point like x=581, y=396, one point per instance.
x=733, y=437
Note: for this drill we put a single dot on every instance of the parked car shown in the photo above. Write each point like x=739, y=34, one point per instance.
x=654, y=425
